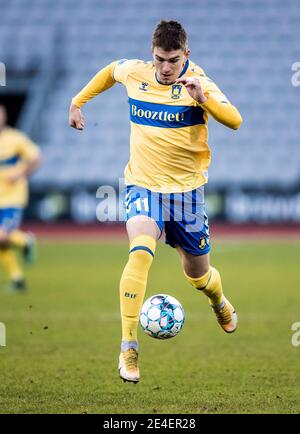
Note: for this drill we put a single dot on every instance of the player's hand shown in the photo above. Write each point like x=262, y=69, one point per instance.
x=76, y=120
x=193, y=87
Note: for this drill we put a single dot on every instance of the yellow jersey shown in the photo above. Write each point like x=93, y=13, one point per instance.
x=15, y=149
x=169, y=149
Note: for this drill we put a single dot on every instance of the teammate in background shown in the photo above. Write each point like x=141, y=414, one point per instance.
x=19, y=157
x=170, y=100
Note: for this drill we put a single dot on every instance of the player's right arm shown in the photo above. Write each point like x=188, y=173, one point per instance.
x=114, y=72
x=102, y=81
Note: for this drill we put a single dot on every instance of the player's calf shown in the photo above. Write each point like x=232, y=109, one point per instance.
x=210, y=284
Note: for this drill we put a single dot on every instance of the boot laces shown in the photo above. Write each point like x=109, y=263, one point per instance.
x=223, y=315
x=130, y=358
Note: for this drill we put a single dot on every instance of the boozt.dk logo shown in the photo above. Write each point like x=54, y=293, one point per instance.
x=164, y=116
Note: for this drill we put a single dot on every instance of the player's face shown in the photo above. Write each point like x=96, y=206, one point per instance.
x=2, y=117
x=169, y=64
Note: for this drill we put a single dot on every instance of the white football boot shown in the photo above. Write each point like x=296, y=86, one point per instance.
x=226, y=316
x=128, y=366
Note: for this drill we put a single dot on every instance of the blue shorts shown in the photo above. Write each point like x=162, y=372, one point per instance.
x=10, y=219
x=182, y=215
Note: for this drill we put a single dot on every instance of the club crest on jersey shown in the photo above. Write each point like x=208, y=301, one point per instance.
x=176, y=91
x=144, y=86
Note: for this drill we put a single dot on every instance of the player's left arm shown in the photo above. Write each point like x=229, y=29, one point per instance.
x=30, y=156
x=211, y=99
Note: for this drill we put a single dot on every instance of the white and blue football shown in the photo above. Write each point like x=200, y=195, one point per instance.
x=162, y=316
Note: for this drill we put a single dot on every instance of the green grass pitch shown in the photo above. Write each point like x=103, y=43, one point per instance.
x=63, y=336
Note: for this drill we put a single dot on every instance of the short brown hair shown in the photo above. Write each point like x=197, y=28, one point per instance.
x=169, y=35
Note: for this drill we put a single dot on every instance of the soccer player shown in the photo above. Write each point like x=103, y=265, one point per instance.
x=19, y=157
x=170, y=101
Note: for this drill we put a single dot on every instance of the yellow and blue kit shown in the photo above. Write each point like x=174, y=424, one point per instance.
x=15, y=150
x=169, y=151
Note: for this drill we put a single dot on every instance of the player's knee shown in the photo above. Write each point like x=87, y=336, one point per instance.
x=197, y=271
x=4, y=240
x=142, y=249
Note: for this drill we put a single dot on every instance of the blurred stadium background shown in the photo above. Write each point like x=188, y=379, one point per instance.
x=63, y=335
x=51, y=49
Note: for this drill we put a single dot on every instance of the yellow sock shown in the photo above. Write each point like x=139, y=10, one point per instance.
x=133, y=283
x=9, y=261
x=210, y=283
x=18, y=238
